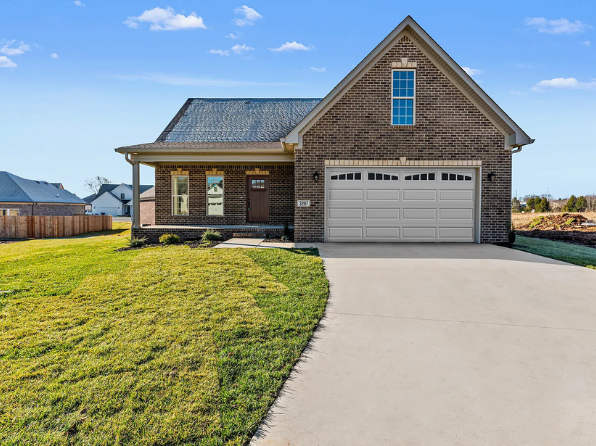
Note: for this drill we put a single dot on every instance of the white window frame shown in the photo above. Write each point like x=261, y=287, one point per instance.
x=177, y=195
x=404, y=97
x=223, y=193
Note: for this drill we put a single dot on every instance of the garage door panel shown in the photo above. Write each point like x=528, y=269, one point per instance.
x=466, y=234
x=456, y=214
x=345, y=195
x=419, y=195
x=382, y=214
x=384, y=233
x=458, y=195
x=419, y=214
x=348, y=214
x=346, y=233
x=411, y=233
x=382, y=194
x=389, y=207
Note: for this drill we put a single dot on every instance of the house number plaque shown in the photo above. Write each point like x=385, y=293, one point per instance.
x=303, y=203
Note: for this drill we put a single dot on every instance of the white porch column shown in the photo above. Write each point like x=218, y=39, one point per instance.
x=136, y=195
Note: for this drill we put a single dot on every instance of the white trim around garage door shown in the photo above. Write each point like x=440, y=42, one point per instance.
x=476, y=166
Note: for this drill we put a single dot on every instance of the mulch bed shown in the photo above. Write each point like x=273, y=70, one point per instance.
x=584, y=238
x=562, y=228
x=191, y=244
x=277, y=240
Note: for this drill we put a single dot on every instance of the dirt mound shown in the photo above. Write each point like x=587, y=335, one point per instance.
x=557, y=222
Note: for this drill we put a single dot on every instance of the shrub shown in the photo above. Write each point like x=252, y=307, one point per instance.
x=285, y=237
x=571, y=205
x=169, y=239
x=543, y=205
x=287, y=228
x=515, y=205
x=135, y=242
x=536, y=221
x=581, y=204
x=511, y=235
x=211, y=236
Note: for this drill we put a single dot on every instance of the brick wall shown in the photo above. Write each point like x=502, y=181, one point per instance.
x=46, y=209
x=281, y=194
x=147, y=215
x=448, y=127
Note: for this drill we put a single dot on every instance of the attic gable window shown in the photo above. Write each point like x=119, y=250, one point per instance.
x=403, y=97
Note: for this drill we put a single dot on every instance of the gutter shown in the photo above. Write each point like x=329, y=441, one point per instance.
x=518, y=147
x=128, y=159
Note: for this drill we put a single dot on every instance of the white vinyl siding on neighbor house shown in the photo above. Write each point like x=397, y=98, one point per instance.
x=215, y=195
x=400, y=204
x=403, y=97
x=180, y=195
x=9, y=212
x=106, y=204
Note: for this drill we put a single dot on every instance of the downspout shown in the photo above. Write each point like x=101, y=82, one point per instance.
x=130, y=162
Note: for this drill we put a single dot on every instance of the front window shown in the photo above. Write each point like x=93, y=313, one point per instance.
x=9, y=212
x=215, y=195
x=403, y=97
x=180, y=195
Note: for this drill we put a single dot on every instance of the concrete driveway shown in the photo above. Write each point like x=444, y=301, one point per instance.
x=445, y=345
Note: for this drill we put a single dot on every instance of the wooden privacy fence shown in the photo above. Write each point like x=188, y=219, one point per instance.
x=47, y=226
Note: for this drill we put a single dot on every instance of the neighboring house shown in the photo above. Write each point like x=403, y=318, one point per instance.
x=147, y=216
x=58, y=185
x=113, y=199
x=19, y=196
x=407, y=147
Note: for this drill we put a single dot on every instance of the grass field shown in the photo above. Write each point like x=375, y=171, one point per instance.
x=578, y=255
x=158, y=346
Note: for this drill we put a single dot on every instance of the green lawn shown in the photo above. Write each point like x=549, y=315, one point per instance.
x=158, y=346
x=567, y=252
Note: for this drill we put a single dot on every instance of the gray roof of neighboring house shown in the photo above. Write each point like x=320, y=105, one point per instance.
x=58, y=185
x=236, y=120
x=109, y=187
x=16, y=189
x=148, y=195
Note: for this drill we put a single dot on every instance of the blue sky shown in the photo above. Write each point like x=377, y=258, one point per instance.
x=79, y=78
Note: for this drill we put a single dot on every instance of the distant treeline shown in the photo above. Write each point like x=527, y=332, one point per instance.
x=545, y=203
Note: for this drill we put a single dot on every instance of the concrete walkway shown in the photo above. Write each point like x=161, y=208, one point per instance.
x=445, y=345
x=262, y=244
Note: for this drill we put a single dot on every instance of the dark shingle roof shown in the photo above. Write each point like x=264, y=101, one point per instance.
x=15, y=189
x=236, y=120
x=109, y=187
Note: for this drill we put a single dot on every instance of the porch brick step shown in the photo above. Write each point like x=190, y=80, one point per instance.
x=249, y=235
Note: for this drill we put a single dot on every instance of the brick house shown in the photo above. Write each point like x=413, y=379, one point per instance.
x=407, y=147
x=20, y=196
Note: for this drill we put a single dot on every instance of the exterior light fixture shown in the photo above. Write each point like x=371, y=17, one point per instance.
x=315, y=177
x=491, y=176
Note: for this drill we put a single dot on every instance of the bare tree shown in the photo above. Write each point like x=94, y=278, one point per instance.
x=94, y=184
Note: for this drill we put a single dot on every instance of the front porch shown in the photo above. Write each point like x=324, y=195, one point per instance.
x=195, y=232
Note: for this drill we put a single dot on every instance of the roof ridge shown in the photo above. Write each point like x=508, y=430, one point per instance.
x=11, y=175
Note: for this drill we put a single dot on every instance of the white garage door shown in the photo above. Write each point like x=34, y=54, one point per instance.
x=106, y=211
x=400, y=204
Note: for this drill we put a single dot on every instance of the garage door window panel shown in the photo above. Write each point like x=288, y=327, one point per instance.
x=421, y=177
x=353, y=176
x=374, y=176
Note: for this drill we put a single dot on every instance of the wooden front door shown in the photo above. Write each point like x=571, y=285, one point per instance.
x=257, y=199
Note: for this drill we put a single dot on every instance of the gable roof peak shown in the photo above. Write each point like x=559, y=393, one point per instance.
x=515, y=136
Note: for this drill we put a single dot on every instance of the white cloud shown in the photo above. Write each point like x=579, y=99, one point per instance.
x=292, y=46
x=54, y=56
x=220, y=52
x=79, y=3
x=14, y=51
x=5, y=62
x=239, y=49
x=586, y=43
x=250, y=16
x=564, y=83
x=558, y=26
x=472, y=71
x=518, y=93
x=318, y=70
x=198, y=82
x=166, y=20
x=233, y=36
x=236, y=49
